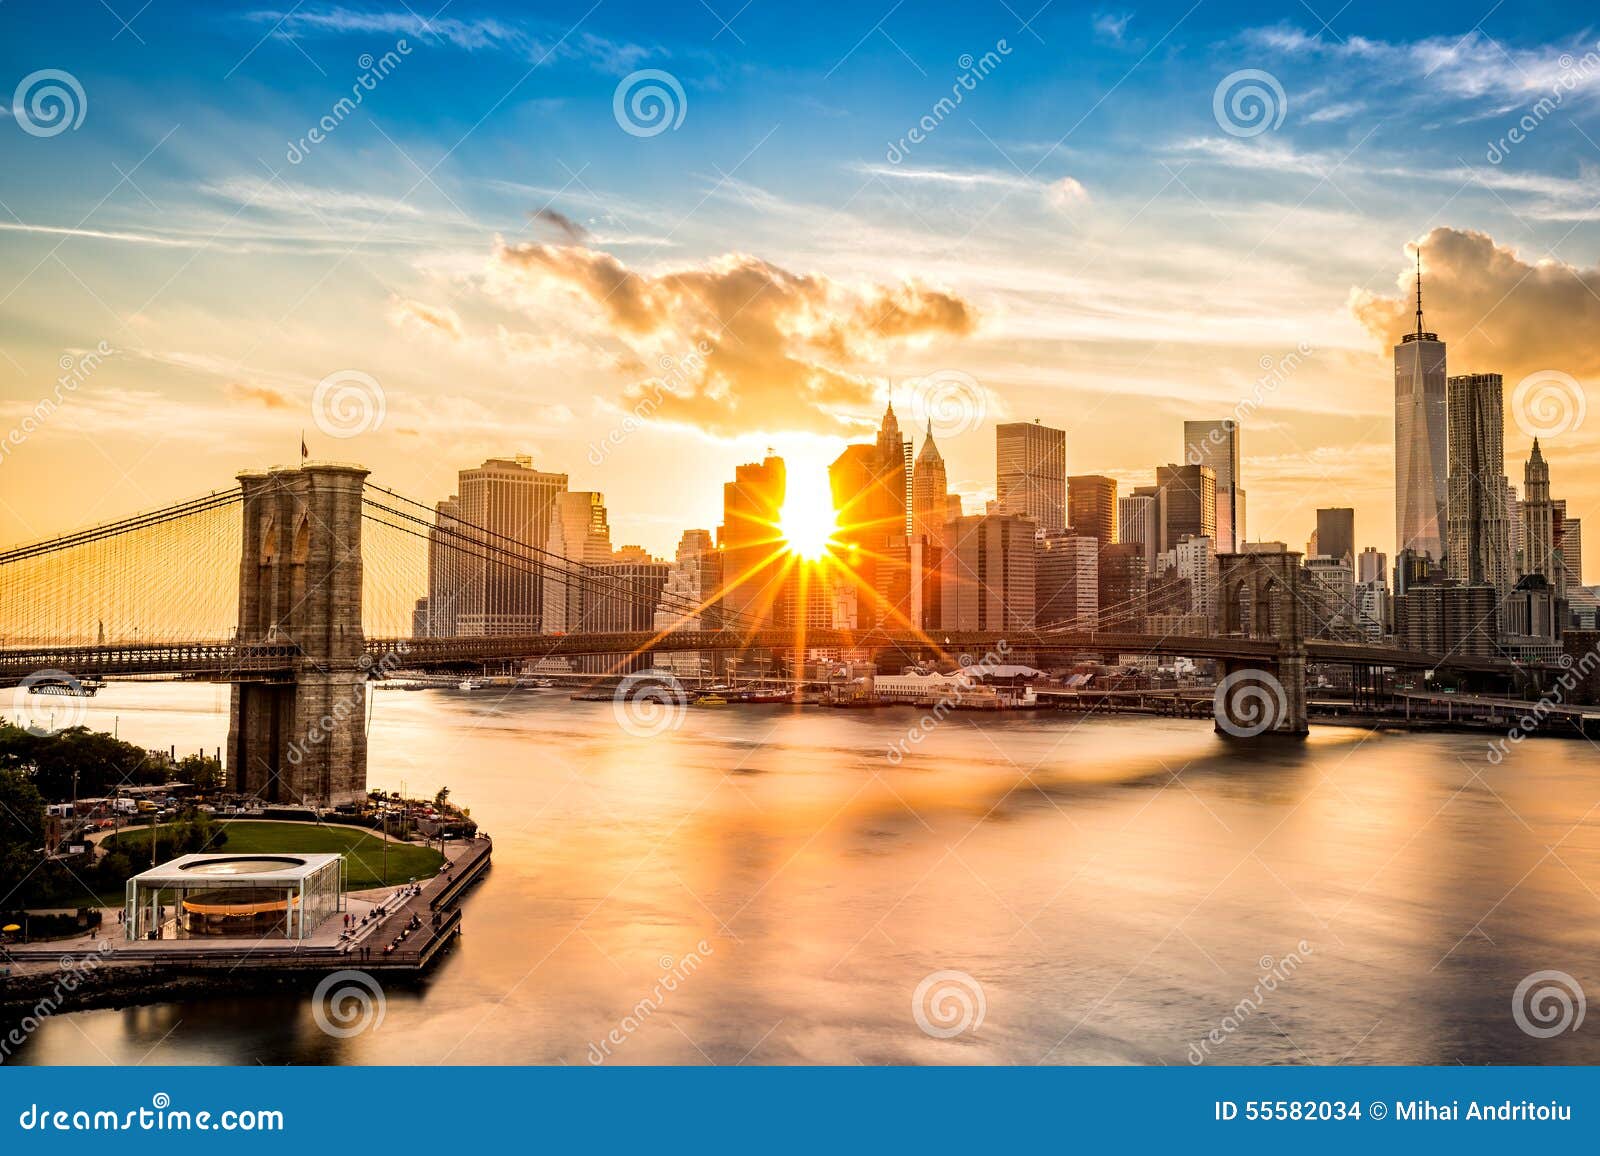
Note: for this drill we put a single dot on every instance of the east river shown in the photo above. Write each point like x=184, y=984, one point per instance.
x=1110, y=890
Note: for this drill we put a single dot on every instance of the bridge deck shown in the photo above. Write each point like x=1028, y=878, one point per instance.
x=230, y=661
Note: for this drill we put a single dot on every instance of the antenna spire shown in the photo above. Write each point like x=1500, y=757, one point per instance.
x=1419, y=291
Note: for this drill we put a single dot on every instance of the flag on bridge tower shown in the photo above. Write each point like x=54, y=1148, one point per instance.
x=304, y=453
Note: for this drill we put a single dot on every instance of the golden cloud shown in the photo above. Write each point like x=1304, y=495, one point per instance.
x=263, y=395
x=1495, y=311
x=783, y=350
x=415, y=316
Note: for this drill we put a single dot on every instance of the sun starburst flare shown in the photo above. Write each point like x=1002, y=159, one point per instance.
x=808, y=522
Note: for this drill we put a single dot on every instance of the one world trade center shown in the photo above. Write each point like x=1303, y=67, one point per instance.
x=1421, y=472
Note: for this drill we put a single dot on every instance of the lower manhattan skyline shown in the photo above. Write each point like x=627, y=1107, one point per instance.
x=762, y=296
x=552, y=552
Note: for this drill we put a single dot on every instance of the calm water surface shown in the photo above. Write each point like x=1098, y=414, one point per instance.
x=1115, y=886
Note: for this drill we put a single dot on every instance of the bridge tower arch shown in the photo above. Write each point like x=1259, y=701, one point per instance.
x=1261, y=598
x=301, y=740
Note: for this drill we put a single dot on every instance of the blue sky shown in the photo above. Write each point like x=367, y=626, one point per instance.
x=1082, y=237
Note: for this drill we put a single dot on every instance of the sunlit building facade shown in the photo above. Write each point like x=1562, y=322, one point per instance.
x=1215, y=443
x=508, y=506
x=874, y=551
x=1477, y=529
x=1092, y=507
x=1067, y=583
x=1421, y=441
x=1139, y=522
x=1187, y=503
x=932, y=509
x=987, y=576
x=447, y=572
x=1031, y=473
x=752, y=548
x=1538, y=520
x=580, y=539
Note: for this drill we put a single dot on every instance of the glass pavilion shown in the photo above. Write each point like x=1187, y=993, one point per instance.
x=226, y=896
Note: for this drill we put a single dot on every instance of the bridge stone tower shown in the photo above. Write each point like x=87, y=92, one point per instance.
x=1261, y=598
x=300, y=738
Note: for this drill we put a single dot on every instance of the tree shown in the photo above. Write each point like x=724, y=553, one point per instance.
x=203, y=771
x=76, y=761
x=21, y=826
x=443, y=797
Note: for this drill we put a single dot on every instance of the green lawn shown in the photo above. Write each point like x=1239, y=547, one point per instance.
x=363, y=851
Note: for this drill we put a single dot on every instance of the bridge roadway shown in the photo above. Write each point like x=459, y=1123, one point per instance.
x=228, y=661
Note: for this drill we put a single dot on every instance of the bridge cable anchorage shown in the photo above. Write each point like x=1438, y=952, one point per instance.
x=522, y=552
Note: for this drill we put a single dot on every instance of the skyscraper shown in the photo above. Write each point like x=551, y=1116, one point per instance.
x=752, y=554
x=988, y=573
x=1138, y=522
x=687, y=598
x=1123, y=581
x=1187, y=498
x=626, y=600
x=868, y=484
x=1067, y=586
x=1538, y=521
x=1420, y=439
x=1572, y=548
x=447, y=574
x=895, y=462
x=930, y=490
x=1031, y=473
x=1372, y=566
x=1336, y=533
x=930, y=519
x=581, y=537
x=1329, y=596
x=1195, y=560
x=506, y=505
x=1092, y=507
x=1514, y=519
x=1215, y=443
x=1477, y=534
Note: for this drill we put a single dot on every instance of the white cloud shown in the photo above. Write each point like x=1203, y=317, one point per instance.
x=96, y=234
x=470, y=35
x=1470, y=66
x=1112, y=26
x=281, y=197
x=1067, y=194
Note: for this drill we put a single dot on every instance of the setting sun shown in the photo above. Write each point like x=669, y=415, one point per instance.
x=808, y=521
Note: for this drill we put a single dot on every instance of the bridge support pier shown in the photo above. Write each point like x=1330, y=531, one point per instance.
x=302, y=742
x=1256, y=698
x=1261, y=599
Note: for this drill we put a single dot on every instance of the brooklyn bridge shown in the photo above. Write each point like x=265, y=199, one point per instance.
x=295, y=586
